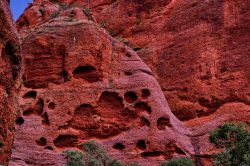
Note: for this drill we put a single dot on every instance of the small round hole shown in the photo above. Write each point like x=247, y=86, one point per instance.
x=128, y=55
x=52, y=105
x=19, y=120
x=42, y=141
x=130, y=97
x=145, y=93
x=141, y=144
x=119, y=146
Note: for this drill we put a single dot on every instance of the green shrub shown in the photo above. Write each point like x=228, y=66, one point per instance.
x=179, y=162
x=103, y=24
x=88, y=13
x=92, y=154
x=64, y=6
x=234, y=139
x=133, y=164
x=75, y=158
x=115, y=162
x=125, y=41
x=95, y=151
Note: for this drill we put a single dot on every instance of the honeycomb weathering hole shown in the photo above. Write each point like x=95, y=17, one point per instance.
x=128, y=54
x=141, y=145
x=45, y=120
x=111, y=99
x=52, y=105
x=119, y=146
x=128, y=73
x=162, y=123
x=145, y=93
x=30, y=94
x=19, y=120
x=142, y=106
x=151, y=154
x=144, y=122
x=83, y=117
x=65, y=141
x=42, y=141
x=49, y=148
x=28, y=112
x=39, y=107
x=88, y=73
x=130, y=97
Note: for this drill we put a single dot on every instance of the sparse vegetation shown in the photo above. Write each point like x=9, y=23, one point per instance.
x=75, y=158
x=179, y=162
x=114, y=162
x=125, y=41
x=64, y=6
x=92, y=154
x=234, y=139
x=103, y=24
x=133, y=164
x=88, y=13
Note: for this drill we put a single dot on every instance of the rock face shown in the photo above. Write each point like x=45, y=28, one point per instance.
x=80, y=83
x=196, y=49
x=9, y=71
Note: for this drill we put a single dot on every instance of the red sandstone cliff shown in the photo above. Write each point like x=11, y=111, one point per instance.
x=9, y=74
x=81, y=82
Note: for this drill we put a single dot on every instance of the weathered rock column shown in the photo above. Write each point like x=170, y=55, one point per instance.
x=9, y=74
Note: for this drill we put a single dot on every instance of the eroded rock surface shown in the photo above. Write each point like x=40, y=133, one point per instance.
x=80, y=83
x=9, y=71
x=198, y=50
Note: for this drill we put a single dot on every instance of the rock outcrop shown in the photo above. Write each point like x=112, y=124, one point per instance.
x=196, y=49
x=9, y=73
x=81, y=82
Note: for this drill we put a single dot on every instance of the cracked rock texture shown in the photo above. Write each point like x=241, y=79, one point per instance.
x=104, y=70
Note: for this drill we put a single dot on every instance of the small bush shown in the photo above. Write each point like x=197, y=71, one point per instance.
x=234, y=139
x=75, y=158
x=125, y=41
x=133, y=164
x=179, y=162
x=64, y=6
x=103, y=24
x=92, y=155
x=88, y=13
x=95, y=151
x=115, y=162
